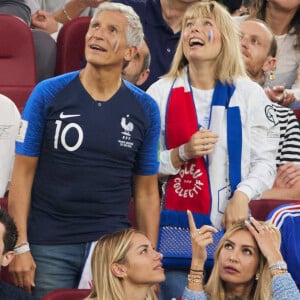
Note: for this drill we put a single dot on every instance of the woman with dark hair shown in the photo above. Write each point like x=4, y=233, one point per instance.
x=283, y=17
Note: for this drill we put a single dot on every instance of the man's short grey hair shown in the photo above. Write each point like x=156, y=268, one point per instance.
x=134, y=30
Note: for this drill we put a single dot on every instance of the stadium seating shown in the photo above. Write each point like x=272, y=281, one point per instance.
x=70, y=45
x=67, y=294
x=17, y=60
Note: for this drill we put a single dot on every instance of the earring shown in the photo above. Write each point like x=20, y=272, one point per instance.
x=257, y=276
x=272, y=75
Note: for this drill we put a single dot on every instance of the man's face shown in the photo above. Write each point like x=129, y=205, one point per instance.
x=133, y=70
x=255, y=45
x=106, y=39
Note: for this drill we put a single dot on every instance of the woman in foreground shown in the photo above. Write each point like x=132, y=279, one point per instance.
x=248, y=264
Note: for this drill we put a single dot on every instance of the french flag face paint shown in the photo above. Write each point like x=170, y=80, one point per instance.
x=116, y=46
x=210, y=36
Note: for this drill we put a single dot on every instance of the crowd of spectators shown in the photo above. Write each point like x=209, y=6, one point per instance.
x=150, y=117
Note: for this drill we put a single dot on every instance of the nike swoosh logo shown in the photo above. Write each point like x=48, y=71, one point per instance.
x=63, y=116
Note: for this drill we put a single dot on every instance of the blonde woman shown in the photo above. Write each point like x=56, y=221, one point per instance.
x=125, y=267
x=218, y=136
x=248, y=263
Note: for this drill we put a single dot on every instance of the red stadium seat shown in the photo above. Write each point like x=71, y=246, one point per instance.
x=297, y=113
x=261, y=208
x=17, y=60
x=70, y=45
x=67, y=294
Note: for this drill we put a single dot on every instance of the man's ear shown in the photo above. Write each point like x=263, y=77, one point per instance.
x=118, y=270
x=130, y=53
x=269, y=64
x=143, y=77
x=7, y=258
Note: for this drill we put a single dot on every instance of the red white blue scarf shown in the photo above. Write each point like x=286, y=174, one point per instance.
x=191, y=188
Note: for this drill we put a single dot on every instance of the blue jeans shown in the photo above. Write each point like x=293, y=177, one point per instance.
x=57, y=267
x=173, y=286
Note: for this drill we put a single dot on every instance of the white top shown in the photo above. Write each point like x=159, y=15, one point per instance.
x=288, y=65
x=260, y=139
x=9, y=124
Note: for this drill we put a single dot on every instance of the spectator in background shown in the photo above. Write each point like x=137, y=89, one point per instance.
x=283, y=18
x=16, y=8
x=85, y=137
x=9, y=125
x=237, y=7
x=50, y=15
x=259, y=47
x=161, y=21
x=8, y=238
x=137, y=71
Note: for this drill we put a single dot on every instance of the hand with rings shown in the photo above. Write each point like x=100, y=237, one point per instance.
x=267, y=238
x=200, y=238
x=201, y=143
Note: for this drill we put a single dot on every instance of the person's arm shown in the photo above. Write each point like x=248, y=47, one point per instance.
x=73, y=9
x=236, y=210
x=201, y=143
x=147, y=206
x=292, y=193
x=200, y=239
x=268, y=241
x=284, y=288
x=22, y=268
x=287, y=183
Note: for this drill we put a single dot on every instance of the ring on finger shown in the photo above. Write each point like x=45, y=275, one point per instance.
x=199, y=232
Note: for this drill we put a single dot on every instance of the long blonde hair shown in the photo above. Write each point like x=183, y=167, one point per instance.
x=261, y=289
x=229, y=64
x=111, y=249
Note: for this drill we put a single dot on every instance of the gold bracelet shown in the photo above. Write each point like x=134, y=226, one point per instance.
x=66, y=14
x=195, y=278
x=198, y=271
x=278, y=272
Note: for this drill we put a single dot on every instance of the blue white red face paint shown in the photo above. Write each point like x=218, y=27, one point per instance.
x=210, y=35
x=116, y=46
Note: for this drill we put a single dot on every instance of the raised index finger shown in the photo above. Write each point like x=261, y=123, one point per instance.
x=191, y=221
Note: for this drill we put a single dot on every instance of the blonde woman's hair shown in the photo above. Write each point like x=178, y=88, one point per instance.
x=229, y=63
x=262, y=287
x=111, y=249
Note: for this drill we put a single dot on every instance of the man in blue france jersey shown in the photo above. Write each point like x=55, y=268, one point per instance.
x=85, y=137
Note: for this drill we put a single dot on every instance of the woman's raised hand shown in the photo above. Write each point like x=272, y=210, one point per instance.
x=200, y=238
